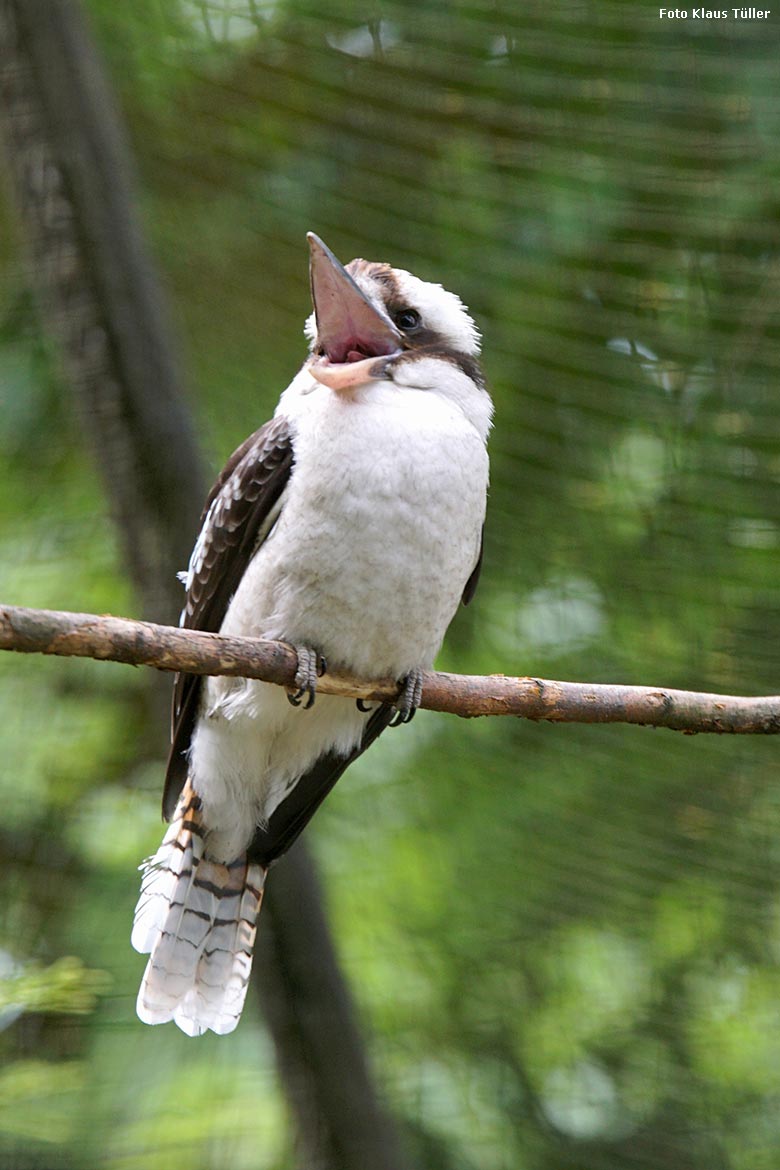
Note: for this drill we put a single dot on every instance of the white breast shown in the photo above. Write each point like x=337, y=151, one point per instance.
x=378, y=533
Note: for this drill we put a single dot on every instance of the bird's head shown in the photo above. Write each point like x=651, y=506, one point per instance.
x=375, y=323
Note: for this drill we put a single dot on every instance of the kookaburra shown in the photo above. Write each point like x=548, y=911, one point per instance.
x=350, y=526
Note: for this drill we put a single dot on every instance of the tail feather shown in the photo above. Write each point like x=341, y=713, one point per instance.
x=196, y=918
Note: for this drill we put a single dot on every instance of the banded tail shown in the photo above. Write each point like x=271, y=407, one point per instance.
x=196, y=919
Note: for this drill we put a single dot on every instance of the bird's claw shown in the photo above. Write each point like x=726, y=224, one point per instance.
x=363, y=707
x=311, y=666
x=409, y=698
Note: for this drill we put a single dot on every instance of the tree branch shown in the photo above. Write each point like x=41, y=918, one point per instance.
x=41, y=631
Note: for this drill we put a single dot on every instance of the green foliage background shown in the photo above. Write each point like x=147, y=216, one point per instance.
x=564, y=940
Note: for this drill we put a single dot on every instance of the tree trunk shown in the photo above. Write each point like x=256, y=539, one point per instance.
x=100, y=299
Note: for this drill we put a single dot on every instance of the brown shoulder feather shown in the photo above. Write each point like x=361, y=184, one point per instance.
x=238, y=515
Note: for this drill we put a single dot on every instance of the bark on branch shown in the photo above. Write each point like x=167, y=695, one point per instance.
x=40, y=631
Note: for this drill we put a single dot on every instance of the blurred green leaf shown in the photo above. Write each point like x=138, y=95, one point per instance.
x=65, y=986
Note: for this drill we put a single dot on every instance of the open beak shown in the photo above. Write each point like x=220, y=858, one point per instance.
x=356, y=338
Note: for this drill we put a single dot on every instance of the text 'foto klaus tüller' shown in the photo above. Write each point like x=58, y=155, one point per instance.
x=714, y=13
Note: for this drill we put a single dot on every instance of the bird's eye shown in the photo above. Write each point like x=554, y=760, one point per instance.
x=407, y=320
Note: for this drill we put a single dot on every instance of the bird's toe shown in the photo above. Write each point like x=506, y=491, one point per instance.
x=311, y=666
x=409, y=698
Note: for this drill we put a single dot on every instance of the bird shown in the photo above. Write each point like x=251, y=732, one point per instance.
x=351, y=527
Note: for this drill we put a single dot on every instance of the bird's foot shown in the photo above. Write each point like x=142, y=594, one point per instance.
x=311, y=666
x=409, y=698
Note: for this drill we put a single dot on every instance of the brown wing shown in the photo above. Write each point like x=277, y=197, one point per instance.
x=238, y=515
x=289, y=819
x=470, y=587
